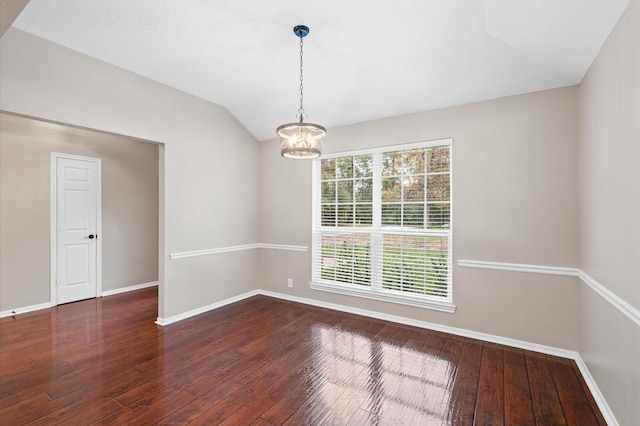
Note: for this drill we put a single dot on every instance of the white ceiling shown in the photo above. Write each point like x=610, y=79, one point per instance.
x=363, y=60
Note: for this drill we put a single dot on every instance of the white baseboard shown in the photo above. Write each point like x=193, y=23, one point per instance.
x=129, y=288
x=25, y=309
x=46, y=305
x=170, y=320
x=564, y=353
x=595, y=391
x=373, y=314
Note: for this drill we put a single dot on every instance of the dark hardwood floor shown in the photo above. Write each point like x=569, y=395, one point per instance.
x=264, y=361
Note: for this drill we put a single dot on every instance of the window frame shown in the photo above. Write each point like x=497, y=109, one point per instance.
x=377, y=232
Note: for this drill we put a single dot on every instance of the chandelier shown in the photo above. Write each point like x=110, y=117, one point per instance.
x=300, y=140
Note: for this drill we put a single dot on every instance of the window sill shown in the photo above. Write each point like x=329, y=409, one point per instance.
x=385, y=296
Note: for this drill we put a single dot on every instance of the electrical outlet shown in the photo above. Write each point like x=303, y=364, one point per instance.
x=289, y=282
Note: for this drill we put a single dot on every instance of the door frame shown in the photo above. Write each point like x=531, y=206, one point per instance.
x=54, y=221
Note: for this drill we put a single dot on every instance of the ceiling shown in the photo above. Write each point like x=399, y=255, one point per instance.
x=362, y=60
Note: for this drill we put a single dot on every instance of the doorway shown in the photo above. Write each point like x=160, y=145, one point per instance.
x=130, y=240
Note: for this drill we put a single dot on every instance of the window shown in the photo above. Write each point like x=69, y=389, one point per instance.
x=382, y=224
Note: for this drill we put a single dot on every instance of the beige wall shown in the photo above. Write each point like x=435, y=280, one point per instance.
x=129, y=206
x=610, y=214
x=609, y=154
x=209, y=161
x=515, y=200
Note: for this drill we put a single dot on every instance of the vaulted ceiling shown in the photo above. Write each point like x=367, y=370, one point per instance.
x=362, y=60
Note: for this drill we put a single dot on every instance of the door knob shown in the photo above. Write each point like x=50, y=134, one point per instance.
x=91, y=237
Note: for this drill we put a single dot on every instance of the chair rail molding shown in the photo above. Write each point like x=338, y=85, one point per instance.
x=218, y=250
x=629, y=311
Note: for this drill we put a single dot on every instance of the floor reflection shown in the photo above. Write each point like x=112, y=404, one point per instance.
x=361, y=380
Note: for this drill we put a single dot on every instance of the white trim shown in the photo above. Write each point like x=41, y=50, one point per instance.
x=625, y=308
x=47, y=305
x=518, y=267
x=384, y=296
x=426, y=325
x=282, y=247
x=205, y=252
x=129, y=288
x=185, y=254
x=632, y=313
x=390, y=148
x=25, y=309
x=53, y=234
x=377, y=231
x=606, y=411
x=549, y=350
x=53, y=269
x=201, y=310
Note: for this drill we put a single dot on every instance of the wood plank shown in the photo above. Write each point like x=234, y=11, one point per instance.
x=73, y=416
x=587, y=392
x=73, y=403
x=546, y=402
x=575, y=404
x=289, y=404
x=280, y=384
x=490, y=401
x=517, y=392
x=186, y=413
x=464, y=394
x=160, y=406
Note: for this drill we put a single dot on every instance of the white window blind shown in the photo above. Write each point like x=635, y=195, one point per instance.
x=382, y=224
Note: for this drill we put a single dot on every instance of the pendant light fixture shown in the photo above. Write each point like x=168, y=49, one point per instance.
x=300, y=140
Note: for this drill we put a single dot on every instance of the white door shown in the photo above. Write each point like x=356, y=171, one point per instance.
x=77, y=213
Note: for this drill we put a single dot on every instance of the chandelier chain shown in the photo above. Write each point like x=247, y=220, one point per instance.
x=301, y=113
